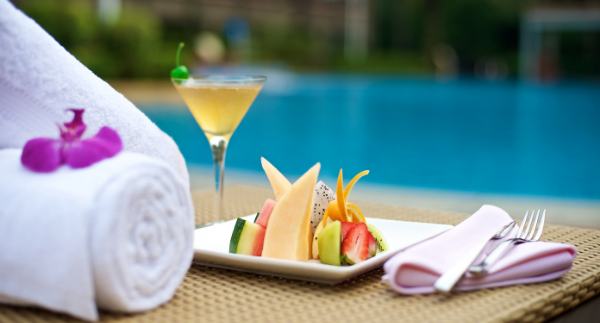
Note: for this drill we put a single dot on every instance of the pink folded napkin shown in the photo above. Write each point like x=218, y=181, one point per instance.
x=415, y=270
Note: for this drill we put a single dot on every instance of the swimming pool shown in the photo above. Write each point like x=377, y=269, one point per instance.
x=470, y=135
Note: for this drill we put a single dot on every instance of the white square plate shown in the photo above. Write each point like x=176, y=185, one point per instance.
x=211, y=248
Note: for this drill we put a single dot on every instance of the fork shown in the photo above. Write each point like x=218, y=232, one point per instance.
x=530, y=234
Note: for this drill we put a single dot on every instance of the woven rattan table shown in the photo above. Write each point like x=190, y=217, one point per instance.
x=218, y=295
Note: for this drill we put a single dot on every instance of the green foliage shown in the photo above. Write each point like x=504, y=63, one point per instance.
x=403, y=34
x=296, y=47
x=482, y=28
x=131, y=48
x=578, y=54
x=476, y=29
x=68, y=22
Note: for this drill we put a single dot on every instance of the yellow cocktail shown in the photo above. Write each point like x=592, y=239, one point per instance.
x=218, y=109
x=219, y=103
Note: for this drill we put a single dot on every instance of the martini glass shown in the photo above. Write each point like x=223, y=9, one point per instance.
x=219, y=103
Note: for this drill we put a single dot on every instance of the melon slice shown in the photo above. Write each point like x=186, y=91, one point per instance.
x=289, y=235
x=279, y=183
x=265, y=213
x=247, y=238
x=329, y=244
x=315, y=241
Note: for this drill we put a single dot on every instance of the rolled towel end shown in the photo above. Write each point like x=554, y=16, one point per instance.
x=117, y=235
x=142, y=239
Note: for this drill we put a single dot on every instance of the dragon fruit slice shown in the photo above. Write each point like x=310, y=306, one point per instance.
x=323, y=195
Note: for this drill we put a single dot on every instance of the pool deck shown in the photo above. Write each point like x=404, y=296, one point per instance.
x=565, y=211
x=149, y=92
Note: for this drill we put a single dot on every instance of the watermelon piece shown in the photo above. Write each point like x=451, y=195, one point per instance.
x=235, y=236
x=372, y=245
x=247, y=238
x=358, y=244
x=265, y=213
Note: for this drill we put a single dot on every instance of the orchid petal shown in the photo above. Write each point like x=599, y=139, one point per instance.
x=75, y=128
x=42, y=155
x=105, y=144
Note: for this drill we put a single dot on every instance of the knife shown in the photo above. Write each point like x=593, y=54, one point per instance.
x=446, y=282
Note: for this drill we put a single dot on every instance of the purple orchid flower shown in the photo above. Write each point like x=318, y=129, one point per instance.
x=45, y=155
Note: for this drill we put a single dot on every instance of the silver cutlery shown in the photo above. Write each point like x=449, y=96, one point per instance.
x=530, y=234
x=451, y=276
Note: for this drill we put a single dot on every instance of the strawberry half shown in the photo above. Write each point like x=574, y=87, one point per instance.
x=346, y=226
x=372, y=245
x=359, y=244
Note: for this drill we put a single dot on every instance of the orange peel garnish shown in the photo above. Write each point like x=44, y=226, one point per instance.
x=352, y=182
x=341, y=203
x=355, y=212
x=332, y=212
x=341, y=210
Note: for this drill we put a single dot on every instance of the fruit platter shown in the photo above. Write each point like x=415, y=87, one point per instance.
x=308, y=232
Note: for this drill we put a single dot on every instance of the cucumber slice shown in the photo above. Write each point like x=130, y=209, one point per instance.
x=382, y=244
x=235, y=236
x=256, y=217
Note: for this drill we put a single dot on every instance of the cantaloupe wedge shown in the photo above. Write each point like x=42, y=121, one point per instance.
x=289, y=234
x=315, y=241
x=279, y=183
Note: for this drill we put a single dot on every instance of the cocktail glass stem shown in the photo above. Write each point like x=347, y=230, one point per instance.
x=219, y=147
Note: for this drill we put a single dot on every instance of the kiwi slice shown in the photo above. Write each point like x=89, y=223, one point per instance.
x=382, y=244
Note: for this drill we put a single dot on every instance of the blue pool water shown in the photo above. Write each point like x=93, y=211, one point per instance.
x=470, y=135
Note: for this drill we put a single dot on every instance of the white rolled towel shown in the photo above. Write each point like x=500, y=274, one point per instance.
x=116, y=235
x=39, y=79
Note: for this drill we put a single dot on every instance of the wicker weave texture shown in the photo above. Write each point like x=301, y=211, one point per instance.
x=218, y=295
